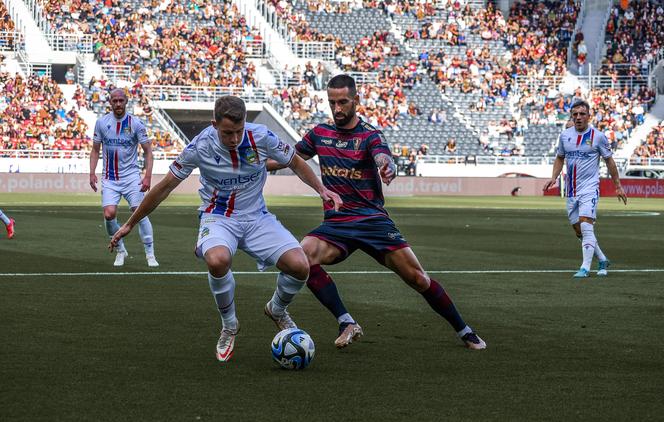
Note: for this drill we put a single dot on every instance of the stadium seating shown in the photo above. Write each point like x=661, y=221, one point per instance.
x=34, y=116
x=635, y=35
x=652, y=146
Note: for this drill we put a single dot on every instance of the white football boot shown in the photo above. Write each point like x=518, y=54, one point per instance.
x=120, y=258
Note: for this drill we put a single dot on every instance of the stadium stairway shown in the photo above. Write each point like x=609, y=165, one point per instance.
x=89, y=116
x=593, y=31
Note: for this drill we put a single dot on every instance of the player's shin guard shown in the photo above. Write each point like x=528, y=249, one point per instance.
x=598, y=252
x=223, y=290
x=287, y=287
x=438, y=299
x=112, y=226
x=322, y=286
x=588, y=244
x=145, y=230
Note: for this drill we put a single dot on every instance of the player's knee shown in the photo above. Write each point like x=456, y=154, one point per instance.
x=218, y=264
x=417, y=279
x=295, y=263
x=109, y=214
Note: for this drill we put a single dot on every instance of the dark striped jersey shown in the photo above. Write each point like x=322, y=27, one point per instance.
x=347, y=167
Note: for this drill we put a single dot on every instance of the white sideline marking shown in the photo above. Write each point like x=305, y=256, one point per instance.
x=643, y=270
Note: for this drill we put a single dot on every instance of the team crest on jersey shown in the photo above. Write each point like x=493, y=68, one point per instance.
x=356, y=143
x=108, y=127
x=251, y=156
x=217, y=158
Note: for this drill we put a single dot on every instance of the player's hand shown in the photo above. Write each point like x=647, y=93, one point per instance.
x=549, y=184
x=621, y=195
x=122, y=232
x=331, y=198
x=387, y=173
x=93, y=182
x=145, y=184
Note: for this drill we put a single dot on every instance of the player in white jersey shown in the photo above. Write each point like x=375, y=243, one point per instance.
x=231, y=156
x=580, y=147
x=121, y=133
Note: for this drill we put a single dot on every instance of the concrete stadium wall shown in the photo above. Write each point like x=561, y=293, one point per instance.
x=289, y=185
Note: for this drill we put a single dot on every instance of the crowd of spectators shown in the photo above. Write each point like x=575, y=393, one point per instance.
x=652, y=147
x=381, y=104
x=33, y=115
x=635, y=35
x=616, y=112
x=6, y=22
x=406, y=157
x=168, y=42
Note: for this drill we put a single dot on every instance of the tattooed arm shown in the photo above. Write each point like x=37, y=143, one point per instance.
x=386, y=167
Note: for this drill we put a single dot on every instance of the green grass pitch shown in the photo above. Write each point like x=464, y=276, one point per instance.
x=138, y=344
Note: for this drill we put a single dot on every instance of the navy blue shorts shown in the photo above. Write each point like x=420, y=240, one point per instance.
x=376, y=236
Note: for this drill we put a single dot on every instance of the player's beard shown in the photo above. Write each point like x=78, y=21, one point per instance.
x=342, y=119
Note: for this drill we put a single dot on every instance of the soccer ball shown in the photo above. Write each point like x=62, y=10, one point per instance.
x=293, y=349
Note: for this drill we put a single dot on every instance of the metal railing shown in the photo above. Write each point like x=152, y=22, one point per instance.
x=39, y=69
x=203, y=93
x=69, y=154
x=370, y=78
x=81, y=43
x=254, y=49
x=646, y=161
x=116, y=72
x=11, y=41
x=485, y=160
x=316, y=50
x=167, y=123
x=593, y=81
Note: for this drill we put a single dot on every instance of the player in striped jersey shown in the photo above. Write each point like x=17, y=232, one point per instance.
x=580, y=146
x=354, y=159
x=231, y=156
x=121, y=133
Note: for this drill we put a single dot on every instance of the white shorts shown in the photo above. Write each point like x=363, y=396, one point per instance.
x=263, y=238
x=112, y=193
x=582, y=206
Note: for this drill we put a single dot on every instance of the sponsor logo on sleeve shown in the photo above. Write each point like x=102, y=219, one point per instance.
x=177, y=165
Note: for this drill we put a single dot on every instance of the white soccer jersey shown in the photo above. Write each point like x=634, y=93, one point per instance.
x=120, y=139
x=232, y=179
x=582, y=152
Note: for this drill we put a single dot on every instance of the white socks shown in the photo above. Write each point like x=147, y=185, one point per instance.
x=145, y=230
x=588, y=244
x=223, y=290
x=287, y=288
x=346, y=318
x=112, y=226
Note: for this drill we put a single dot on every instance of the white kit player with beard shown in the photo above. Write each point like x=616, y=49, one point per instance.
x=231, y=156
x=580, y=147
x=120, y=134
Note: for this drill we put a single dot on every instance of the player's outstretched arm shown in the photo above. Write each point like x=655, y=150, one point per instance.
x=557, y=168
x=94, y=159
x=149, y=161
x=613, y=172
x=272, y=165
x=386, y=167
x=304, y=172
x=153, y=198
